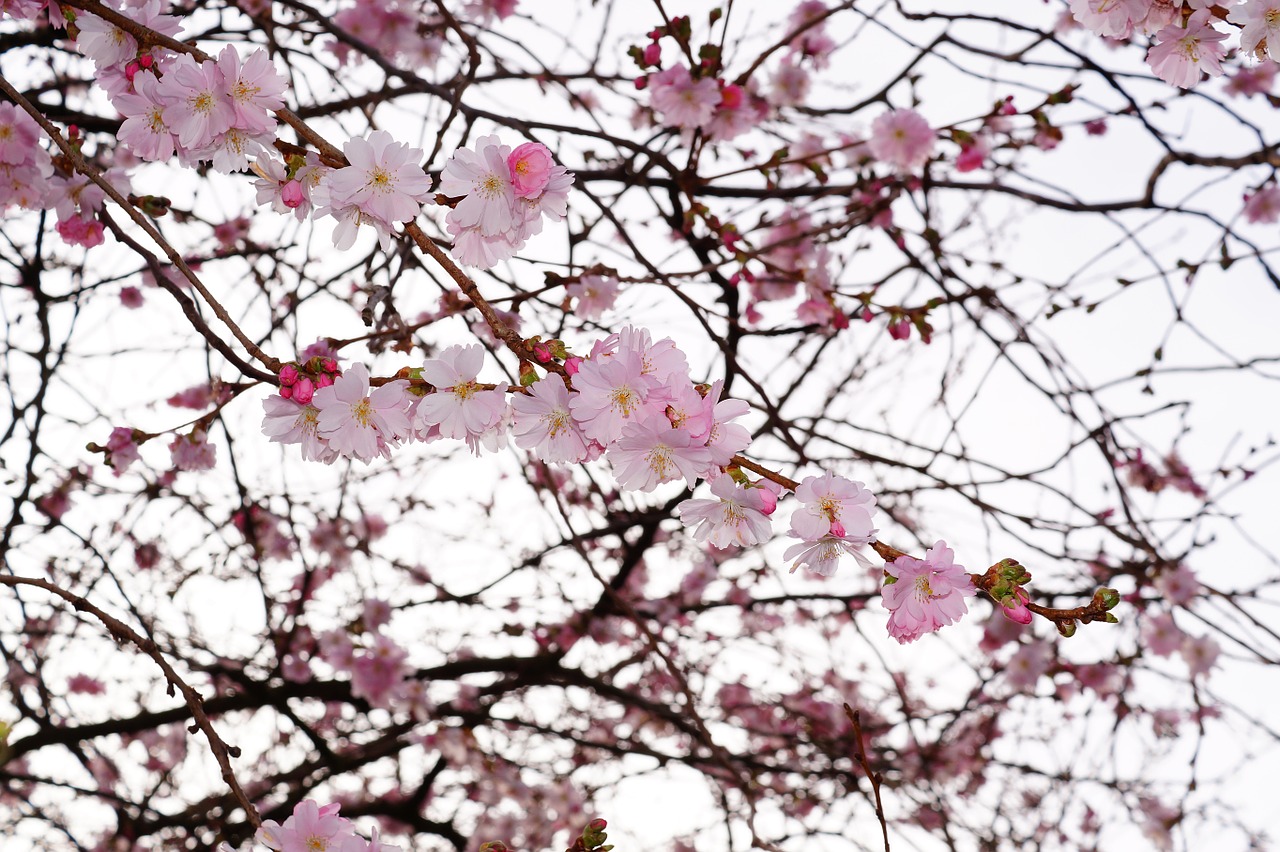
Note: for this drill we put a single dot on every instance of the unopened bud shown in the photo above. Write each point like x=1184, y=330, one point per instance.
x=303, y=391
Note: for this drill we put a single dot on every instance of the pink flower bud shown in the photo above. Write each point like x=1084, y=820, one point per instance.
x=130, y=71
x=653, y=53
x=330, y=365
x=146, y=60
x=900, y=330
x=542, y=352
x=642, y=82
x=286, y=392
x=837, y=529
x=303, y=390
x=867, y=315
x=323, y=380
x=288, y=375
x=291, y=194
x=571, y=365
x=1019, y=612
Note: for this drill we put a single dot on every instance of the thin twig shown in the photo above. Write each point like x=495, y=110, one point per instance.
x=222, y=752
x=856, y=718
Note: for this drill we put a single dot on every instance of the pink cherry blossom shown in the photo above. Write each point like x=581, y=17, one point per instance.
x=358, y=423
x=593, y=295
x=832, y=505
x=738, y=515
x=310, y=828
x=530, y=166
x=459, y=406
x=19, y=135
x=790, y=85
x=725, y=439
x=290, y=422
x=144, y=129
x=256, y=89
x=198, y=108
x=610, y=392
x=121, y=450
x=650, y=451
x=193, y=452
x=901, y=138
x=1112, y=18
x=1261, y=33
x=1263, y=206
x=1200, y=653
x=680, y=100
x=925, y=594
x=544, y=424
x=377, y=671
x=483, y=179
x=384, y=180
x=1181, y=55
x=822, y=557
x=1161, y=635
x=1246, y=81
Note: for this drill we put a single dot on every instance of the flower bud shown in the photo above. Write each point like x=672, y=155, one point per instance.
x=288, y=375
x=303, y=390
x=291, y=194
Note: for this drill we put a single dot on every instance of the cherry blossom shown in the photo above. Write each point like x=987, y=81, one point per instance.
x=738, y=516
x=198, y=108
x=650, y=451
x=1261, y=33
x=923, y=595
x=384, y=184
x=544, y=424
x=358, y=423
x=901, y=138
x=459, y=407
x=832, y=504
x=593, y=295
x=1181, y=55
x=530, y=168
x=680, y=100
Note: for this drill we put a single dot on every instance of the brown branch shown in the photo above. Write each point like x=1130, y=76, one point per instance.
x=121, y=631
x=90, y=171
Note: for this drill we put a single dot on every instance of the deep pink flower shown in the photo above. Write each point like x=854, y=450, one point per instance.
x=530, y=166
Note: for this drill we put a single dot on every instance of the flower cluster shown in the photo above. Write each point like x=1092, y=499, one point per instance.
x=1186, y=47
x=25, y=167
x=923, y=595
x=501, y=196
x=218, y=111
x=631, y=401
